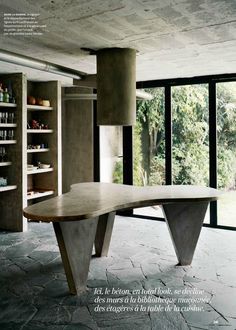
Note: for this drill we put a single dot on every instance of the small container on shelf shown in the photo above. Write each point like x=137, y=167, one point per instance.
x=11, y=117
x=3, y=154
x=3, y=182
x=44, y=166
x=3, y=117
x=5, y=96
x=6, y=93
x=10, y=134
x=6, y=134
x=1, y=92
x=36, y=124
x=31, y=100
x=3, y=135
x=46, y=103
x=31, y=167
x=42, y=103
x=37, y=147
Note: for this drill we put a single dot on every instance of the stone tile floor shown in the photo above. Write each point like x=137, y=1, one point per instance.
x=149, y=290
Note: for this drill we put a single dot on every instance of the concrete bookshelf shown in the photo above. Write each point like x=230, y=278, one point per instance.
x=43, y=183
x=25, y=187
x=12, y=168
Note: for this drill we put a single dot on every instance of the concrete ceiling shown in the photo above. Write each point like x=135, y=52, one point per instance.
x=173, y=38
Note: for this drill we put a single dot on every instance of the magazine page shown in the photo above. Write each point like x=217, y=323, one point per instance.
x=117, y=164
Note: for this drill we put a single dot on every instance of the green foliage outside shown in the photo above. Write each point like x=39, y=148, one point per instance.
x=190, y=135
x=149, y=133
x=226, y=130
x=118, y=172
x=138, y=171
x=190, y=125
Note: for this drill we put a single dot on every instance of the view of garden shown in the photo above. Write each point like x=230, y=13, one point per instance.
x=190, y=144
x=226, y=129
x=190, y=152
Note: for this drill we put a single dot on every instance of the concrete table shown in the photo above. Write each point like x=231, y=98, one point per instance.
x=85, y=216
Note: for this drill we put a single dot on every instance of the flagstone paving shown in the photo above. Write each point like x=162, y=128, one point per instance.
x=138, y=286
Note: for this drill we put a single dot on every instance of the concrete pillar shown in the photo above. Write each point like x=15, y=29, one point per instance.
x=116, y=86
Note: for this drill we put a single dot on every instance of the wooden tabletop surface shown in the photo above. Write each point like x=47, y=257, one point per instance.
x=88, y=200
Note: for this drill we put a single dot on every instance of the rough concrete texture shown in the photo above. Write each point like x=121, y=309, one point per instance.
x=34, y=292
x=174, y=38
x=116, y=87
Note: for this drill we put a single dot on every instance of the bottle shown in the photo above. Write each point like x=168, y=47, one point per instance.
x=9, y=89
x=1, y=93
x=5, y=96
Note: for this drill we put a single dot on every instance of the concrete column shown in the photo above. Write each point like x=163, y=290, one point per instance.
x=116, y=86
x=77, y=130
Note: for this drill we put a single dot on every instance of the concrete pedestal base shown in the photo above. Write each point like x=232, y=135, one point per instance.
x=103, y=234
x=185, y=221
x=75, y=240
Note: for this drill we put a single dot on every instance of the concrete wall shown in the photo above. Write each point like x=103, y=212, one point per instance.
x=77, y=139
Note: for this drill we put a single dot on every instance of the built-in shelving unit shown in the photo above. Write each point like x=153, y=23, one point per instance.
x=45, y=143
x=4, y=173
x=8, y=141
x=39, y=131
x=37, y=150
x=39, y=107
x=8, y=105
x=5, y=163
x=12, y=155
x=40, y=170
x=8, y=125
x=7, y=188
x=39, y=194
x=23, y=144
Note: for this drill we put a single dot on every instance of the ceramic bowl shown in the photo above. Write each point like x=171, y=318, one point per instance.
x=44, y=166
x=46, y=103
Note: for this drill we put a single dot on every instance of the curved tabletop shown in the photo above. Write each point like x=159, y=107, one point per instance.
x=88, y=200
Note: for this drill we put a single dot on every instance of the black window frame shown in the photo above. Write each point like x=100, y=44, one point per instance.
x=211, y=81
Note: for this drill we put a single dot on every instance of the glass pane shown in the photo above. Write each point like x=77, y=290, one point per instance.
x=149, y=146
x=111, y=154
x=190, y=125
x=226, y=157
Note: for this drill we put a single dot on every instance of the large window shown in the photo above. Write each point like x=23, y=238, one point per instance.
x=149, y=146
x=187, y=135
x=226, y=152
x=190, y=151
x=190, y=136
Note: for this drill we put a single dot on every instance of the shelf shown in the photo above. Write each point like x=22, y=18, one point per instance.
x=7, y=188
x=5, y=163
x=8, y=125
x=40, y=170
x=7, y=141
x=38, y=107
x=37, y=150
x=39, y=194
x=8, y=105
x=39, y=131
x=21, y=119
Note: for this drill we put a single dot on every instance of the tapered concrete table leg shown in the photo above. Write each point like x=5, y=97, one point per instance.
x=185, y=222
x=75, y=240
x=103, y=235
